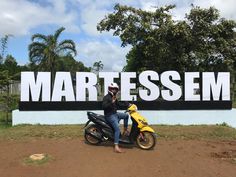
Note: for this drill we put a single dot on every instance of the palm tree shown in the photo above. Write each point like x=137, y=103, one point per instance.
x=46, y=49
x=4, y=42
x=98, y=66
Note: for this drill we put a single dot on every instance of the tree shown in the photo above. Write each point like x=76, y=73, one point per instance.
x=11, y=65
x=98, y=66
x=4, y=42
x=8, y=101
x=68, y=63
x=201, y=42
x=46, y=49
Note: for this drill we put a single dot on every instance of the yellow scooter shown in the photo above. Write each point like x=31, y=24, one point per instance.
x=101, y=130
x=145, y=136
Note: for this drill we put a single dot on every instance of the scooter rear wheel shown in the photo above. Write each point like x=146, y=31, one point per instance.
x=88, y=138
x=146, y=140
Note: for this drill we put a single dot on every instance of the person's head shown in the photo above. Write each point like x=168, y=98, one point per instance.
x=114, y=88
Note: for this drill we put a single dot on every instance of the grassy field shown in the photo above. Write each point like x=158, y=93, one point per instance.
x=217, y=132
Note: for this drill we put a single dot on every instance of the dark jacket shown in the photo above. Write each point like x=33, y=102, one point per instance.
x=111, y=108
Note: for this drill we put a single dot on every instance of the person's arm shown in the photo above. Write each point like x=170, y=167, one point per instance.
x=122, y=104
x=107, y=102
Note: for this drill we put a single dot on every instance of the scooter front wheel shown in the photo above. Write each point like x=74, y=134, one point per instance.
x=92, y=129
x=146, y=140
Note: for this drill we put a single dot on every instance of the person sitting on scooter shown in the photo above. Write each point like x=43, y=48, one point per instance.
x=110, y=104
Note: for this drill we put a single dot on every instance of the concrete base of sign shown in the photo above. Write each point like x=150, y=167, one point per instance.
x=198, y=117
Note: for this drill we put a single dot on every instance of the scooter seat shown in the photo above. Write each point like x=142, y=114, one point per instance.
x=99, y=116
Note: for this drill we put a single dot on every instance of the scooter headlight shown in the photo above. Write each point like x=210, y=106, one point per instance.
x=133, y=107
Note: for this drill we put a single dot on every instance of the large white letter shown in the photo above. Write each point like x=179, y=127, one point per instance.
x=166, y=82
x=63, y=79
x=154, y=91
x=190, y=86
x=82, y=86
x=221, y=85
x=108, y=79
x=126, y=86
x=34, y=86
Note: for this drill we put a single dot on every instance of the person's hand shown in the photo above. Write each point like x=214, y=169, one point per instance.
x=113, y=99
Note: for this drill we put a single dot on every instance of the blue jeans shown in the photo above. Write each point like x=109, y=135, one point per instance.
x=114, y=120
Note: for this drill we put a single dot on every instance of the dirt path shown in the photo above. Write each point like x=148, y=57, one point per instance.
x=74, y=158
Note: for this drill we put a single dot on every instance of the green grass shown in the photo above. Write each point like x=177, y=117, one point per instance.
x=217, y=132
x=41, y=131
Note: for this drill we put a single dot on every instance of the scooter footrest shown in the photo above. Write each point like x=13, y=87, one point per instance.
x=125, y=141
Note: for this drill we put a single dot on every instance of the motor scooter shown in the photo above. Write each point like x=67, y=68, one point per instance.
x=100, y=130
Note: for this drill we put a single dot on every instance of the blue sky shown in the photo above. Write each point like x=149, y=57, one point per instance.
x=22, y=18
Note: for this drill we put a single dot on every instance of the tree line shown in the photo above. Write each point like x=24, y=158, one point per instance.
x=46, y=53
x=202, y=41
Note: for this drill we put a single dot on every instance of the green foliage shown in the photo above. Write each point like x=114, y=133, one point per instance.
x=12, y=67
x=97, y=66
x=46, y=49
x=201, y=42
x=224, y=124
x=3, y=47
x=68, y=63
x=8, y=101
x=234, y=104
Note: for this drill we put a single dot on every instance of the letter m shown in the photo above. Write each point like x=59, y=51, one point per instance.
x=219, y=86
x=35, y=86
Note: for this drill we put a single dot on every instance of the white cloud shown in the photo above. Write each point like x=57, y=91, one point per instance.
x=110, y=53
x=19, y=17
x=91, y=16
x=227, y=7
x=93, y=11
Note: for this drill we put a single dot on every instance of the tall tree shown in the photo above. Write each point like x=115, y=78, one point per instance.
x=98, y=66
x=11, y=65
x=4, y=42
x=46, y=49
x=201, y=42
